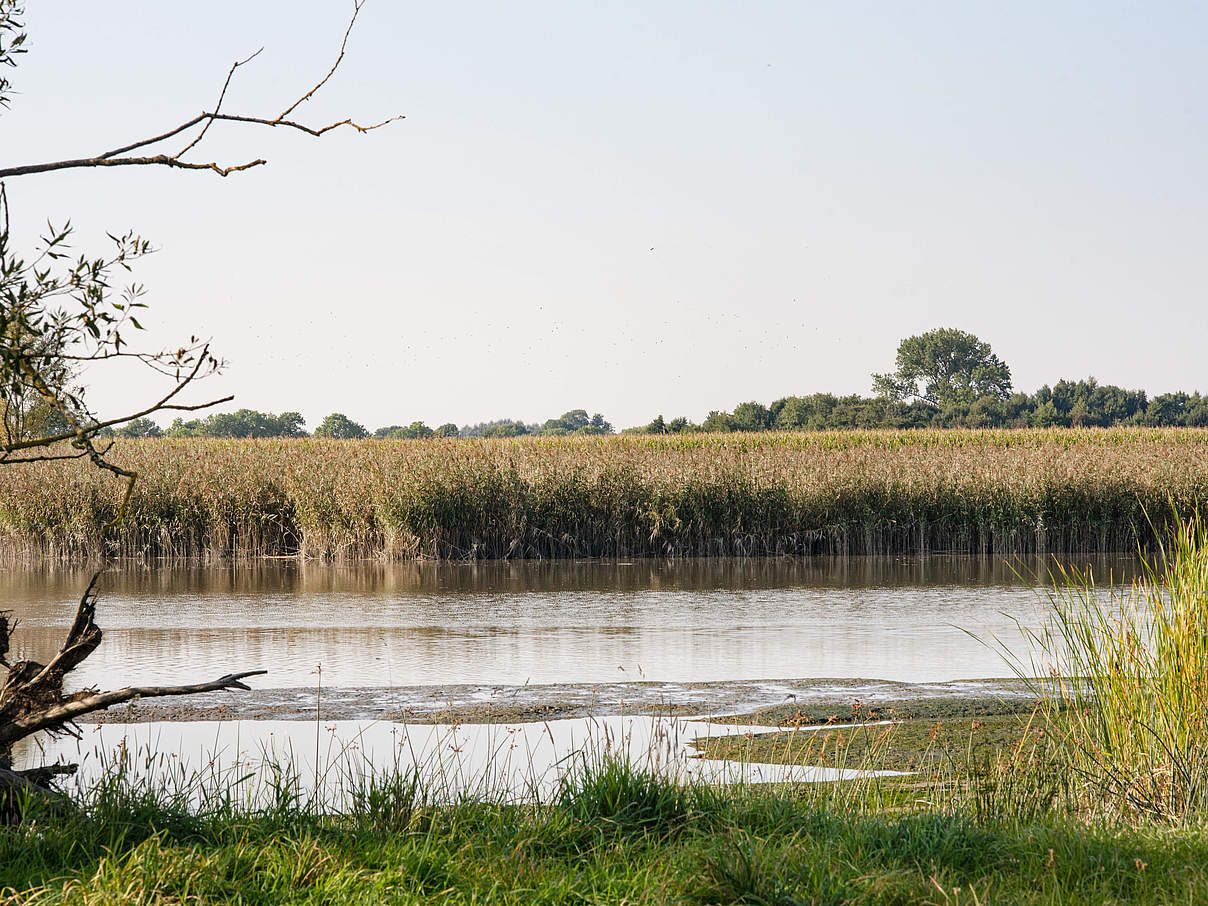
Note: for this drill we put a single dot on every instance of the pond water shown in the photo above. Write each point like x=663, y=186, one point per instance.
x=387, y=640
x=336, y=759
x=510, y=624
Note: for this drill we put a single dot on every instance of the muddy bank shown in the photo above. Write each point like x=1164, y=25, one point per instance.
x=766, y=702
x=942, y=734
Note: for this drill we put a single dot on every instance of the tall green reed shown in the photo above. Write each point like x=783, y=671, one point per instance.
x=1122, y=675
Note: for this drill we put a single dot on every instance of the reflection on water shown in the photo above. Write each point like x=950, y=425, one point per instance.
x=486, y=761
x=542, y=622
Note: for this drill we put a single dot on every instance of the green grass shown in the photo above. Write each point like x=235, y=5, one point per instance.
x=1124, y=681
x=614, y=835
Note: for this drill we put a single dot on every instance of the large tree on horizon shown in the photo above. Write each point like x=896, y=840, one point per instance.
x=953, y=367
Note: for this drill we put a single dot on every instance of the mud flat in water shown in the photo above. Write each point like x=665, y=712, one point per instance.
x=766, y=702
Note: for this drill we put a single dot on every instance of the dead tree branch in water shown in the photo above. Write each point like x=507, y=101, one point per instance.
x=32, y=699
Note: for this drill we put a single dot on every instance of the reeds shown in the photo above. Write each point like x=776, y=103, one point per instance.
x=859, y=492
x=1123, y=677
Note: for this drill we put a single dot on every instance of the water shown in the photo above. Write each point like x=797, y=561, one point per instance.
x=599, y=635
x=502, y=762
x=508, y=624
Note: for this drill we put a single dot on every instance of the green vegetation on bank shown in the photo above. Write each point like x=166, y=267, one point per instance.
x=614, y=836
x=858, y=492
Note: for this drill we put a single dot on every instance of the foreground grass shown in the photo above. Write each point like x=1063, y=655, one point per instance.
x=616, y=836
x=854, y=492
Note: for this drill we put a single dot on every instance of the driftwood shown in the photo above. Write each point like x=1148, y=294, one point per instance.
x=32, y=701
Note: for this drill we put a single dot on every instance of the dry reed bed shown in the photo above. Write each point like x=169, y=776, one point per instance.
x=858, y=492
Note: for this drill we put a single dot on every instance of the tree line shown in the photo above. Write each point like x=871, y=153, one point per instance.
x=947, y=378
x=1082, y=403
x=944, y=378
x=246, y=423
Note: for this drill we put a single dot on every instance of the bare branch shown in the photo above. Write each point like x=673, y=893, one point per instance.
x=218, y=106
x=356, y=11
x=163, y=160
x=12, y=731
x=164, y=404
x=142, y=143
x=82, y=639
x=207, y=118
x=32, y=699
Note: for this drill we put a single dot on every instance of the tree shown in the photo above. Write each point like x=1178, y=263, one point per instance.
x=1167, y=410
x=241, y=423
x=140, y=427
x=447, y=430
x=717, y=422
x=576, y=421
x=751, y=417
x=953, y=366
x=57, y=315
x=414, y=431
x=340, y=426
x=504, y=427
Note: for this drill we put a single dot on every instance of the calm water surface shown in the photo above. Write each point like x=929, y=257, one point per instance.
x=905, y=619
x=332, y=759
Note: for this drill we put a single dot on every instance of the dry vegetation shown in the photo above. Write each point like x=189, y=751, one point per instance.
x=858, y=492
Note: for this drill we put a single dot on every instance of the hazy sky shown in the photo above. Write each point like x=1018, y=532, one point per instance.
x=643, y=207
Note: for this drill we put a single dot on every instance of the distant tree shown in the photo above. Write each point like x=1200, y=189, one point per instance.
x=576, y=421
x=241, y=423
x=1197, y=412
x=140, y=427
x=1167, y=410
x=387, y=431
x=182, y=428
x=952, y=365
x=568, y=422
x=447, y=430
x=597, y=425
x=1045, y=415
x=717, y=422
x=414, y=431
x=658, y=426
x=504, y=427
x=751, y=417
x=809, y=412
x=340, y=426
x=1114, y=405
x=290, y=424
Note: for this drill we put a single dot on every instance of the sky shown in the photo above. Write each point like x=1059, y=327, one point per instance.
x=636, y=208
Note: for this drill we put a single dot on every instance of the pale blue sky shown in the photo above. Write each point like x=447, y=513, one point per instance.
x=642, y=207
